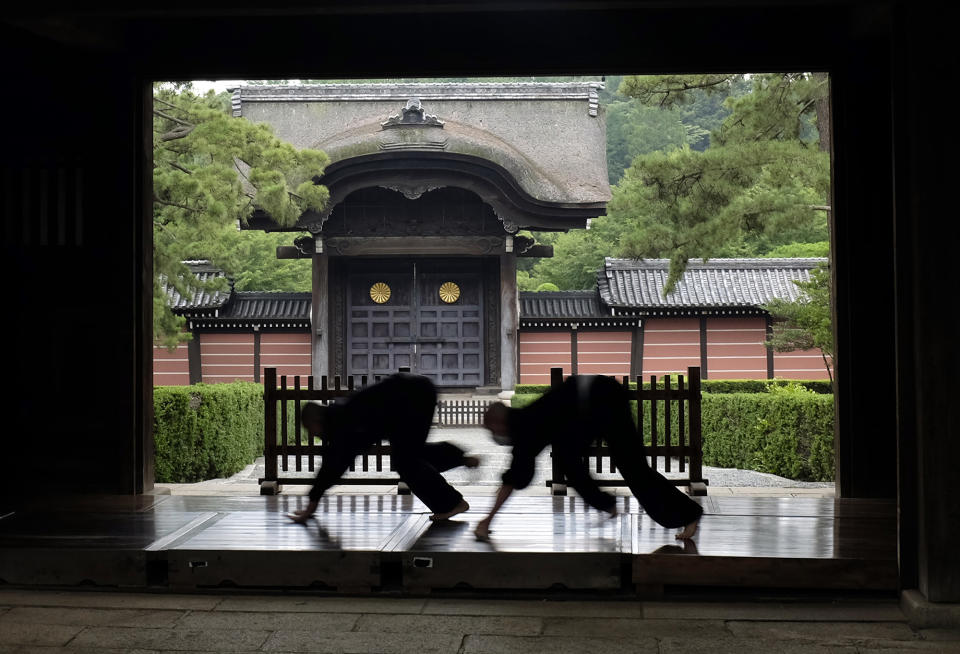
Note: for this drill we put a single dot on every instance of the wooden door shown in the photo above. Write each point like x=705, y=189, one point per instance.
x=425, y=316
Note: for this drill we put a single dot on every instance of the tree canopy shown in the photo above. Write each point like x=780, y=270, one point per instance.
x=762, y=183
x=210, y=172
x=805, y=324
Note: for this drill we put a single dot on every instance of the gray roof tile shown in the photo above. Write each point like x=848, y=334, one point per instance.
x=638, y=284
x=249, y=305
x=200, y=299
x=560, y=304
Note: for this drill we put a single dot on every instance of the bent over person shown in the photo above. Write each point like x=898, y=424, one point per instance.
x=568, y=417
x=400, y=408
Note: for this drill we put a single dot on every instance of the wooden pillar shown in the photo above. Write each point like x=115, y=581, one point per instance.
x=770, y=367
x=928, y=416
x=256, y=353
x=194, y=363
x=574, y=354
x=636, y=352
x=509, y=320
x=704, y=374
x=320, y=315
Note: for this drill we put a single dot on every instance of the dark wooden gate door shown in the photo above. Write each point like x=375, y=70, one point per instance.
x=417, y=315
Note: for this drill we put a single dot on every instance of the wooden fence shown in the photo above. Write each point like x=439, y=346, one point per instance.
x=284, y=439
x=461, y=413
x=665, y=406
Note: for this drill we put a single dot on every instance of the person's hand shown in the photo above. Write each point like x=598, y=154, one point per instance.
x=482, y=532
x=303, y=515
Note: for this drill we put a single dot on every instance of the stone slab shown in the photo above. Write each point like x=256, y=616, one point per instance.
x=925, y=614
x=452, y=624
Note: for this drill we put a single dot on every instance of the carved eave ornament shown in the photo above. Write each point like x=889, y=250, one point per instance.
x=412, y=115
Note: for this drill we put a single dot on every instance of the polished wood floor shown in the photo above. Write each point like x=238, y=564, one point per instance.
x=371, y=542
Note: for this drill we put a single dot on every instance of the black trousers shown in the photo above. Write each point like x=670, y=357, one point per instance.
x=665, y=503
x=419, y=463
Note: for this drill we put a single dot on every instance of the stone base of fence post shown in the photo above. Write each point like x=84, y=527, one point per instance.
x=270, y=488
x=698, y=489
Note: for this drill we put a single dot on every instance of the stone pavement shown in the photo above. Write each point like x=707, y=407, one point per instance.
x=84, y=622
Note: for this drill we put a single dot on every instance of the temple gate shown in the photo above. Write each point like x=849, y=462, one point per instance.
x=414, y=258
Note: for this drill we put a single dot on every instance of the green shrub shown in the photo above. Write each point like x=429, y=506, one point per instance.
x=206, y=431
x=786, y=434
x=520, y=400
x=716, y=385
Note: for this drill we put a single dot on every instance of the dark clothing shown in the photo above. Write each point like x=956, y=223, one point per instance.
x=400, y=408
x=569, y=418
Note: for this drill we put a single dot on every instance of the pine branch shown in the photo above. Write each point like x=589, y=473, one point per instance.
x=172, y=118
x=177, y=133
x=175, y=205
x=173, y=164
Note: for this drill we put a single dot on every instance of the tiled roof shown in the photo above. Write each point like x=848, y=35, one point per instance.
x=200, y=299
x=255, y=306
x=638, y=284
x=560, y=304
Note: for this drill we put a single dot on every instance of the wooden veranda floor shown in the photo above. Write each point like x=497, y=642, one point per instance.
x=375, y=543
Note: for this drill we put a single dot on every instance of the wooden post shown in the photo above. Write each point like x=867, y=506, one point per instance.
x=697, y=487
x=270, y=485
x=558, y=485
x=682, y=393
x=667, y=416
x=320, y=315
x=509, y=320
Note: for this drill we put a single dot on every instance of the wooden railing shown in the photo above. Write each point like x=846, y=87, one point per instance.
x=685, y=446
x=461, y=413
x=285, y=440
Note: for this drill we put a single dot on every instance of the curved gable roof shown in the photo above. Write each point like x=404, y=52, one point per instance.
x=551, y=137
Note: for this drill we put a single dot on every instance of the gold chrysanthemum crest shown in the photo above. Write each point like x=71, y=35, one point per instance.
x=449, y=292
x=379, y=292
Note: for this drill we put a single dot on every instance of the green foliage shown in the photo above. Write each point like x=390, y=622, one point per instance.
x=763, y=181
x=805, y=323
x=522, y=399
x=634, y=129
x=686, y=204
x=717, y=386
x=789, y=434
x=547, y=286
x=206, y=431
x=818, y=250
x=577, y=255
x=211, y=171
x=252, y=255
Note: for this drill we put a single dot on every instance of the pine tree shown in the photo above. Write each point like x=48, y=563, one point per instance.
x=210, y=172
x=767, y=169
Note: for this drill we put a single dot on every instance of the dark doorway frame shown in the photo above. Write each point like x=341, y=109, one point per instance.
x=896, y=391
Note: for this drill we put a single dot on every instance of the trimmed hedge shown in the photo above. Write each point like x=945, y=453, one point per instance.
x=206, y=431
x=715, y=385
x=785, y=434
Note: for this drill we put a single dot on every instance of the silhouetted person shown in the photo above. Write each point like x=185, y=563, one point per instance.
x=568, y=417
x=400, y=408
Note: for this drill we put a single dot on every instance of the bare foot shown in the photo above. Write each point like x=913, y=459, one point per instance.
x=471, y=461
x=687, y=532
x=460, y=508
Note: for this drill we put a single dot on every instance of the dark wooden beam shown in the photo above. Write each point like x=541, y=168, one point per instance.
x=539, y=251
